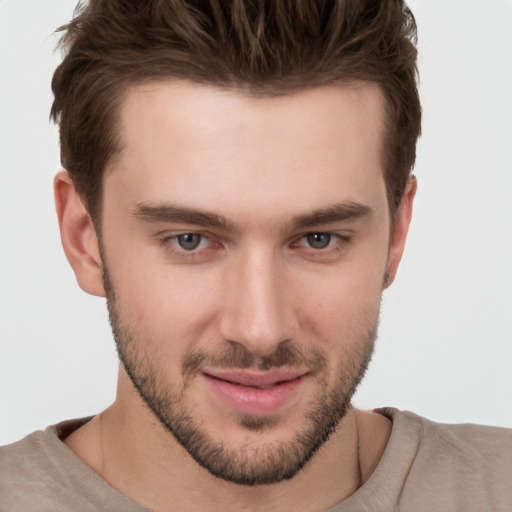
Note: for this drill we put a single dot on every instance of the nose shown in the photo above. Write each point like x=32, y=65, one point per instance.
x=258, y=308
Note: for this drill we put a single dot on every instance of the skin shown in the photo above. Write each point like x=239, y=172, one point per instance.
x=262, y=164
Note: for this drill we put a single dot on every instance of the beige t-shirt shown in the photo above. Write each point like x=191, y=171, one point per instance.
x=426, y=466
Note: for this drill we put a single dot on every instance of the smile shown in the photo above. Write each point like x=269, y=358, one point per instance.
x=256, y=393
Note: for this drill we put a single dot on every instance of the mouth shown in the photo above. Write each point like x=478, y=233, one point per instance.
x=255, y=392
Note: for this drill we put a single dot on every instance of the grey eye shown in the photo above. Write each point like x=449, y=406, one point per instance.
x=319, y=240
x=189, y=241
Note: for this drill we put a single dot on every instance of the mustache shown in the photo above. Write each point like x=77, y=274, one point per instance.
x=239, y=357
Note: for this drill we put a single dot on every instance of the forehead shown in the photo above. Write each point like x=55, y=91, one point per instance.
x=219, y=148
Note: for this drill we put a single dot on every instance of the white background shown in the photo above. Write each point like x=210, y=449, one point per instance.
x=445, y=346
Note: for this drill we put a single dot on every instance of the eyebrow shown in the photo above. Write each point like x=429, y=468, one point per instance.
x=335, y=213
x=173, y=213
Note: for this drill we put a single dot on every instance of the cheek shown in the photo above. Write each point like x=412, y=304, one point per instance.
x=344, y=303
x=349, y=308
x=169, y=307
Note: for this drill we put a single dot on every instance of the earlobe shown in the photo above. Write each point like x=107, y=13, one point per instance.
x=401, y=225
x=78, y=236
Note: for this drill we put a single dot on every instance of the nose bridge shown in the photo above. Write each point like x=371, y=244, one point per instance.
x=258, y=313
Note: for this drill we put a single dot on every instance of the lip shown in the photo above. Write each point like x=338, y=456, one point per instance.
x=252, y=392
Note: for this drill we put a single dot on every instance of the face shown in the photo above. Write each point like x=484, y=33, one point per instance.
x=245, y=243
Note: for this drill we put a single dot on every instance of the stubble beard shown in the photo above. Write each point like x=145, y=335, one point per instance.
x=270, y=462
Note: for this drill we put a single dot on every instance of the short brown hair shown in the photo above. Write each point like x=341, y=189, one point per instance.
x=263, y=47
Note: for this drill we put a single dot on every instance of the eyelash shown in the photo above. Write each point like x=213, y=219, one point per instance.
x=171, y=243
x=340, y=240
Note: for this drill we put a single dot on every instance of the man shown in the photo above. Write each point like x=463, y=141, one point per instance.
x=238, y=186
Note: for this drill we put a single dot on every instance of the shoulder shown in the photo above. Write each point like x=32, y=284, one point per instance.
x=23, y=466
x=461, y=443
x=462, y=467
x=23, y=456
x=436, y=466
x=41, y=471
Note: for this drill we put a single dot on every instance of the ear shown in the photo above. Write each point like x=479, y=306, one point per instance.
x=401, y=223
x=78, y=236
